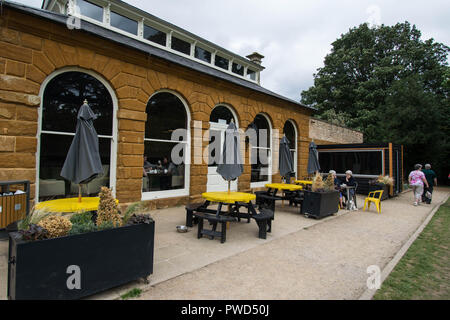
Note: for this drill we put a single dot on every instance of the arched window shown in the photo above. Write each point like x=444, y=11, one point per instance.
x=165, y=171
x=63, y=95
x=220, y=118
x=261, y=153
x=291, y=134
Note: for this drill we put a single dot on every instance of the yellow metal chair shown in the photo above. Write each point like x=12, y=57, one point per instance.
x=375, y=197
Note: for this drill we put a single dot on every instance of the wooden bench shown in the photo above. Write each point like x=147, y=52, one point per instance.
x=214, y=220
x=190, y=209
x=264, y=221
x=266, y=201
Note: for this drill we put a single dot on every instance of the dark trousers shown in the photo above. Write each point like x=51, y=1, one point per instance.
x=425, y=189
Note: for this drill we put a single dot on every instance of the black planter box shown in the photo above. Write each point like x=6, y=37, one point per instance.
x=106, y=259
x=380, y=186
x=320, y=204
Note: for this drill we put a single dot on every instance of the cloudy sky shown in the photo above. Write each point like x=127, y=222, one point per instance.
x=293, y=35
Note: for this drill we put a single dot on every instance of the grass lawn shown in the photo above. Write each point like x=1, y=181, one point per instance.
x=424, y=271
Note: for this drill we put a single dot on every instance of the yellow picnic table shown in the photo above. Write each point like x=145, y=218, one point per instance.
x=70, y=204
x=305, y=182
x=228, y=197
x=284, y=186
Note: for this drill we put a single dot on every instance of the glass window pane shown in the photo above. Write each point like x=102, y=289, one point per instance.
x=64, y=96
x=221, y=113
x=181, y=45
x=165, y=113
x=160, y=172
x=90, y=10
x=263, y=131
x=53, y=153
x=237, y=68
x=260, y=169
x=289, y=132
x=221, y=62
x=202, y=54
x=358, y=162
x=251, y=74
x=123, y=23
x=154, y=35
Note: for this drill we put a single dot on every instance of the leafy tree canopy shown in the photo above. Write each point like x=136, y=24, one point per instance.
x=391, y=85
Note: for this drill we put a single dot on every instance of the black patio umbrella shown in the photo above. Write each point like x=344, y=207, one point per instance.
x=83, y=162
x=231, y=166
x=286, y=163
x=313, y=159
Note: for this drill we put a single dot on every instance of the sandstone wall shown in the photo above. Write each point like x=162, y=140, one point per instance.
x=31, y=49
x=326, y=133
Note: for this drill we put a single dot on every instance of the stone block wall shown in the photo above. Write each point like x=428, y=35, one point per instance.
x=31, y=49
x=326, y=133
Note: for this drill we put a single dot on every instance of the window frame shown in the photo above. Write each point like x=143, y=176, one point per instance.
x=163, y=194
x=296, y=146
x=261, y=184
x=113, y=150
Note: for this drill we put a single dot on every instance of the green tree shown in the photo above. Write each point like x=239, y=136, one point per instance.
x=388, y=83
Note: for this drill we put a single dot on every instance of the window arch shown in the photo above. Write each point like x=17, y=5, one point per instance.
x=290, y=132
x=62, y=95
x=261, y=153
x=166, y=149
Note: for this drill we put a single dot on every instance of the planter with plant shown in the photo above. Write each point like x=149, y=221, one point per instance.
x=381, y=183
x=322, y=200
x=55, y=256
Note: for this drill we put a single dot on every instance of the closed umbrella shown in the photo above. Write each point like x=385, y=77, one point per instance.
x=231, y=167
x=286, y=164
x=313, y=158
x=83, y=162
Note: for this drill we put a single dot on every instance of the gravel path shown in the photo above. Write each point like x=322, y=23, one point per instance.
x=325, y=261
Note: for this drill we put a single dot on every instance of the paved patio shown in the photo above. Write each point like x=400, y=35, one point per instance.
x=301, y=258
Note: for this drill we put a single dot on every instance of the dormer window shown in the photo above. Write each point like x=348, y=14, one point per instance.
x=238, y=69
x=154, y=35
x=90, y=10
x=251, y=74
x=123, y=23
x=221, y=62
x=202, y=54
x=181, y=45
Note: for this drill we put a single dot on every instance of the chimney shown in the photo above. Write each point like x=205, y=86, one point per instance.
x=255, y=57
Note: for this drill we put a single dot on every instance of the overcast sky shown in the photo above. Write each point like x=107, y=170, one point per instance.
x=293, y=35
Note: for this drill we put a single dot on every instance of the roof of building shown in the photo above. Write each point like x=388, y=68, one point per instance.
x=151, y=50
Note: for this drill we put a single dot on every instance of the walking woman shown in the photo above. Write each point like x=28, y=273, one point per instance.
x=416, y=181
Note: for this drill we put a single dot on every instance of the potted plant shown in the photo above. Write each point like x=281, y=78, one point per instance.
x=381, y=183
x=322, y=200
x=55, y=256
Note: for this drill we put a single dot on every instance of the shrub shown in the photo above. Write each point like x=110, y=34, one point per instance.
x=85, y=227
x=317, y=185
x=139, y=218
x=106, y=225
x=56, y=226
x=34, y=217
x=329, y=183
x=385, y=180
x=107, y=208
x=82, y=218
x=34, y=232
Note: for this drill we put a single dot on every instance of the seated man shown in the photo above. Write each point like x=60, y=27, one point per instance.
x=337, y=185
x=348, y=181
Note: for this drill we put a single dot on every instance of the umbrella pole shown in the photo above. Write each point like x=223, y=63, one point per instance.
x=79, y=193
x=228, y=186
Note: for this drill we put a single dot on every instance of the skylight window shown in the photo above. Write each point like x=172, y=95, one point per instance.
x=221, y=62
x=90, y=10
x=155, y=35
x=123, y=23
x=181, y=45
x=202, y=54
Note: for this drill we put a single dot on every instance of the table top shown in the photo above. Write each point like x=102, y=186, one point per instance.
x=70, y=204
x=304, y=181
x=228, y=197
x=284, y=186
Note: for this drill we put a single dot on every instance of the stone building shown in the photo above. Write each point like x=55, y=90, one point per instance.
x=144, y=78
